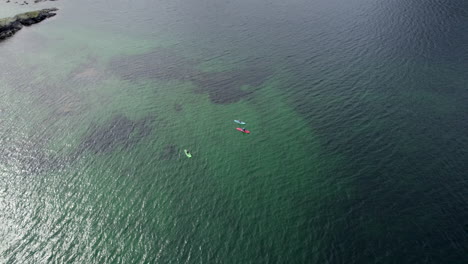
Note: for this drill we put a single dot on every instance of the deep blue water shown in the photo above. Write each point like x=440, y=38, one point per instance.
x=359, y=144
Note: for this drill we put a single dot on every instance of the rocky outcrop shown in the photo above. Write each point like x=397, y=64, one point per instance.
x=9, y=26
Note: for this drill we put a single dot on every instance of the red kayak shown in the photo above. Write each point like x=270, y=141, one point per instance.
x=243, y=131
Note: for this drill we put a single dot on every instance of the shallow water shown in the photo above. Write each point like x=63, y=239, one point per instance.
x=358, y=151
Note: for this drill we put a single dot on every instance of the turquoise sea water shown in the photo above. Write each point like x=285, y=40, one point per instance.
x=358, y=152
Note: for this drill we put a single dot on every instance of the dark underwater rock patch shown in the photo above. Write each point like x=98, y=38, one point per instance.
x=226, y=87
x=29, y=155
x=119, y=133
x=222, y=87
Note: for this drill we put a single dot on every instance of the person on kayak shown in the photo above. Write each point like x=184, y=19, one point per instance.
x=243, y=129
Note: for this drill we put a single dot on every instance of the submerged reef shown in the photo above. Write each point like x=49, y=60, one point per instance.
x=119, y=132
x=223, y=87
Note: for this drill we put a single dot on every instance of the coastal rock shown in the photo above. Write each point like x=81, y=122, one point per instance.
x=10, y=25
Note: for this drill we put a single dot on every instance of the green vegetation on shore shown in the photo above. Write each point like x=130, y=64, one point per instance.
x=10, y=25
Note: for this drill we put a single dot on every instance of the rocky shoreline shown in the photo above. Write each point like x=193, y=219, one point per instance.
x=10, y=25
